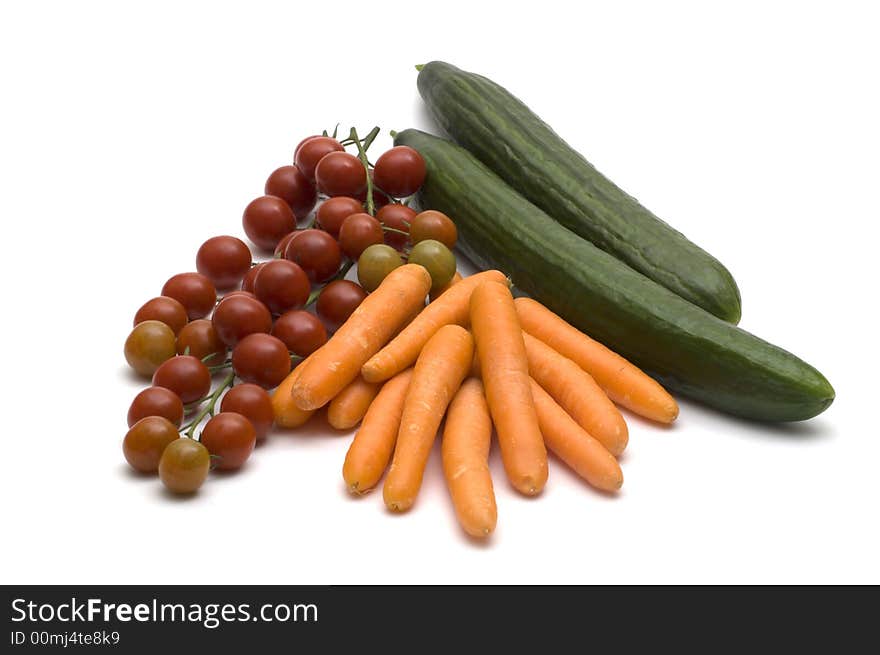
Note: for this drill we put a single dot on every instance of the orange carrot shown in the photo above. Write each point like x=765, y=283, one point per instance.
x=442, y=365
x=404, y=349
x=348, y=408
x=287, y=414
x=465, y=449
x=577, y=392
x=371, y=449
x=436, y=294
x=574, y=445
x=505, y=373
x=624, y=382
x=335, y=364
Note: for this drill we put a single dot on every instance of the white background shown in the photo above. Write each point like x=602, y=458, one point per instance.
x=131, y=135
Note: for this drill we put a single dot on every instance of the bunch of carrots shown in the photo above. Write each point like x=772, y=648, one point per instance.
x=479, y=358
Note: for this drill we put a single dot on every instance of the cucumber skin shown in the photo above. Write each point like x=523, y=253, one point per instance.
x=526, y=153
x=688, y=349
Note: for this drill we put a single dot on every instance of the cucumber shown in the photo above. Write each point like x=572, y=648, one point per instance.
x=688, y=349
x=512, y=141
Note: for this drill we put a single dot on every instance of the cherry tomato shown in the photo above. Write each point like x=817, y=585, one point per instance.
x=301, y=143
x=312, y=150
x=435, y=225
x=261, y=359
x=437, y=259
x=156, y=401
x=247, y=284
x=400, y=171
x=231, y=438
x=238, y=316
x=282, y=245
x=289, y=184
x=397, y=217
x=358, y=232
x=341, y=174
x=302, y=332
x=186, y=376
x=148, y=345
x=165, y=309
x=337, y=301
x=184, y=466
x=224, y=260
x=192, y=290
x=145, y=442
x=282, y=285
x=316, y=252
x=333, y=211
x=199, y=339
x=375, y=263
x=254, y=403
x=267, y=220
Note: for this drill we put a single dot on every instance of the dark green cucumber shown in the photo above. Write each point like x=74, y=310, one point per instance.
x=685, y=347
x=512, y=141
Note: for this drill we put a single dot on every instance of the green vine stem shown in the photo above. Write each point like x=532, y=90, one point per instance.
x=362, y=155
x=190, y=428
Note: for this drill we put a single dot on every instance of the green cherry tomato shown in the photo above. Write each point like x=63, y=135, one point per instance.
x=437, y=259
x=375, y=263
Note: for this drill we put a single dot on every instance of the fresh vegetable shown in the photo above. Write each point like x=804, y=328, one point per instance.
x=505, y=373
x=395, y=219
x=312, y=150
x=282, y=285
x=192, y=290
x=146, y=440
x=351, y=404
x=199, y=339
x=439, y=371
x=402, y=351
x=261, y=359
x=624, y=382
x=331, y=368
x=400, y=171
x=437, y=259
x=254, y=403
x=164, y=309
x=337, y=301
x=434, y=225
x=185, y=375
x=293, y=187
x=267, y=220
x=359, y=232
x=238, y=316
x=513, y=142
x=224, y=260
x=333, y=211
x=465, y=452
x=373, y=444
x=685, y=348
x=156, y=401
x=148, y=345
x=316, y=252
x=375, y=263
x=574, y=445
x=230, y=438
x=340, y=174
x=287, y=414
x=301, y=332
x=578, y=393
x=439, y=292
x=184, y=466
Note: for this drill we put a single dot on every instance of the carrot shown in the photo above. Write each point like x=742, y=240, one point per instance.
x=404, y=349
x=436, y=294
x=443, y=364
x=348, y=408
x=465, y=449
x=287, y=414
x=625, y=383
x=335, y=364
x=505, y=373
x=577, y=392
x=368, y=455
x=574, y=445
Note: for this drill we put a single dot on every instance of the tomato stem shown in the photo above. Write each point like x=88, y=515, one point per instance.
x=362, y=155
x=190, y=427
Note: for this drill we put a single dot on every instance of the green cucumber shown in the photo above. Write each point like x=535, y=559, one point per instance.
x=505, y=135
x=688, y=349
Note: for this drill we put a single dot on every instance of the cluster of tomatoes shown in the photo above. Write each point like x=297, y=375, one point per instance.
x=274, y=313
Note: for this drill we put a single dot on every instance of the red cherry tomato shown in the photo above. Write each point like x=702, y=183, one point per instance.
x=333, y=211
x=267, y=220
x=398, y=217
x=359, y=232
x=289, y=184
x=224, y=260
x=316, y=252
x=302, y=332
x=400, y=171
x=312, y=150
x=282, y=285
x=337, y=301
x=341, y=174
